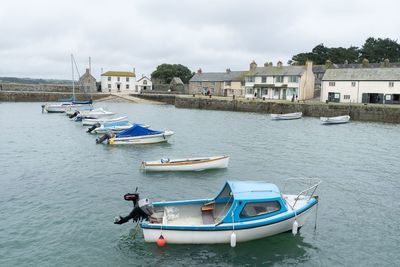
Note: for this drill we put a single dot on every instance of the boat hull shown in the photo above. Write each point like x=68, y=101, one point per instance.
x=90, y=122
x=335, y=120
x=223, y=236
x=188, y=165
x=144, y=139
x=288, y=116
x=55, y=108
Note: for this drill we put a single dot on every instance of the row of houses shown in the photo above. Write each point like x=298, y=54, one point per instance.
x=115, y=81
x=355, y=83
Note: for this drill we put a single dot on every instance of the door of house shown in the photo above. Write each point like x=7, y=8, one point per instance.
x=284, y=94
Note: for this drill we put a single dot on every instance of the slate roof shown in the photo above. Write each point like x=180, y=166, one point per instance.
x=176, y=80
x=218, y=76
x=119, y=73
x=277, y=71
x=365, y=74
x=144, y=77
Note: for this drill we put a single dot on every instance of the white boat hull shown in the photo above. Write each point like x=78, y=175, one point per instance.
x=194, y=164
x=224, y=236
x=144, y=139
x=70, y=110
x=102, y=120
x=287, y=116
x=56, y=108
x=335, y=120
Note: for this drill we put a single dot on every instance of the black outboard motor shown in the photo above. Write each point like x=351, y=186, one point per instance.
x=76, y=113
x=142, y=209
x=104, y=137
x=94, y=126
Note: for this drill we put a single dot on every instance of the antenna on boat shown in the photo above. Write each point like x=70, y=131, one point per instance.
x=73, y=79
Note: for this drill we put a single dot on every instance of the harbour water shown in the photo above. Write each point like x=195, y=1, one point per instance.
x=59, y=191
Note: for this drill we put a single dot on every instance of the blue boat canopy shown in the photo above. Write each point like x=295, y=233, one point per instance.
x=82, y=102
x=250, y=190
x=137, y=130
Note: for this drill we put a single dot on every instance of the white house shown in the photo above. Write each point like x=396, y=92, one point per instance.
x=280, y=82
x=143, y=84
x=118, y=81
x=372, y=85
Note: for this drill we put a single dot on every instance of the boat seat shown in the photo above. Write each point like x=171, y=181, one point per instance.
x=207, y=217
x=208, y=206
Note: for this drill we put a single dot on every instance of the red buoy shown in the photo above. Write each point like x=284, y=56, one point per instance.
x=161, y=241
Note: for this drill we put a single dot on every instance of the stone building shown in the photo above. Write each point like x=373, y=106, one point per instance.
x=88, y=82
x=226, y=83
x=176, y=85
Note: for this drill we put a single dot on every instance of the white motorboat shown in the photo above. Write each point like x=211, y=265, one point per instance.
x=103, y=120
x=136, y=135
x=189, y=164
x=242, y=211
x=335, y=120
x=114, y=127
x=82, y=108
x=287, y=116
x=56, y=108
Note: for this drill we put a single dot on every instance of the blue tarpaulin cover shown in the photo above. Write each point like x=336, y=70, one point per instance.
x=137, y=130
x=82, y=102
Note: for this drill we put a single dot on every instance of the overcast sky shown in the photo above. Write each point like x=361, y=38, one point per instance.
x=37, y=37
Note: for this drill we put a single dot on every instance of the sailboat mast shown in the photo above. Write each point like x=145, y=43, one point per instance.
x=73, y=80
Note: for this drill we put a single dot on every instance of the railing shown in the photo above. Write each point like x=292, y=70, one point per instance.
x=311, y=183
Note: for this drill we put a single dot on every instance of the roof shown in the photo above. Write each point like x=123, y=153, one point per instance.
x=218, y=76
x=119, y=73
x=374, y=74
x=277, y=71
x=247, y=190
x=176, y=80
x=144, y=77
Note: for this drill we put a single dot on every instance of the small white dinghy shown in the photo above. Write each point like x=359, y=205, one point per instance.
x=335, y=120
x=189, y=164
x=287, y=116
x=103, y=120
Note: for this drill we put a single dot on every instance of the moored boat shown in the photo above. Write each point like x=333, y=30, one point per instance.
x=189, y=164
x=335, y=120
x=242, y=211
x=287, y=116
x=82, y=108
x=136, y=135
x=114, y=127
x=56, y=108
x=101, y=120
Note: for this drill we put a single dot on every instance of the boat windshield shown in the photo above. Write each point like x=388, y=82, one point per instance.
x=225, y=195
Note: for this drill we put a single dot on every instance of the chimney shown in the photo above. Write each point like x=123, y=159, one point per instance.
x=228, y=70
x=266, y=64
x=386, y=63
x=328, y=63
x=134, y=71
x=279, y=64
x=365, y=63
x=253, y=65
x=87, y=71
x=199, y=71
x=309, y=64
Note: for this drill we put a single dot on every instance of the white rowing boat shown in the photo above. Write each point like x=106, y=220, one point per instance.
x=189, y=164
x=287, y=116
x=335, y=120
x=103, y=120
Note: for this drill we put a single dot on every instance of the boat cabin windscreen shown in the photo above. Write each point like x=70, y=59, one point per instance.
x=225, y=196
x=253, y=209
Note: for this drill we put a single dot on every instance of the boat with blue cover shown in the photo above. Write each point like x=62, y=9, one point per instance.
x=114, y=127
x=137, y=134
x=241, y=211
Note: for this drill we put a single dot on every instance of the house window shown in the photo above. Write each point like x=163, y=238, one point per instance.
x=118, y=79
x=279, y=79
x=353, y=84
x=228, y=83
x=127, y=86
x=332, y=83
x=253, y=209
x=109, y=79
x=391, y=84
x=264, y=79
x=293, y=79
x=109, y=86
x=242, y=83
x=346, y=97
x=250, y=79
x=144, y=82
x=127, y=79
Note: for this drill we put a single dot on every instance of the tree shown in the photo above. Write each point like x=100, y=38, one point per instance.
x=166, y=72
x=377, y=50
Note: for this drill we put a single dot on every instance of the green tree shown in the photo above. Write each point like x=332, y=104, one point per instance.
x=377, y=50
x=167, y=72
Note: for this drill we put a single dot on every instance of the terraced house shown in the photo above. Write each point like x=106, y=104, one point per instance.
x=280, y=82
x=226, y=83
x=368, y=85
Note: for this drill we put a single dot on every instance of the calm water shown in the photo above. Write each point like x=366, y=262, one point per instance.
x=59, y=191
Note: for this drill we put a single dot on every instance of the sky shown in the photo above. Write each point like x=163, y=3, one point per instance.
x=38, y=37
